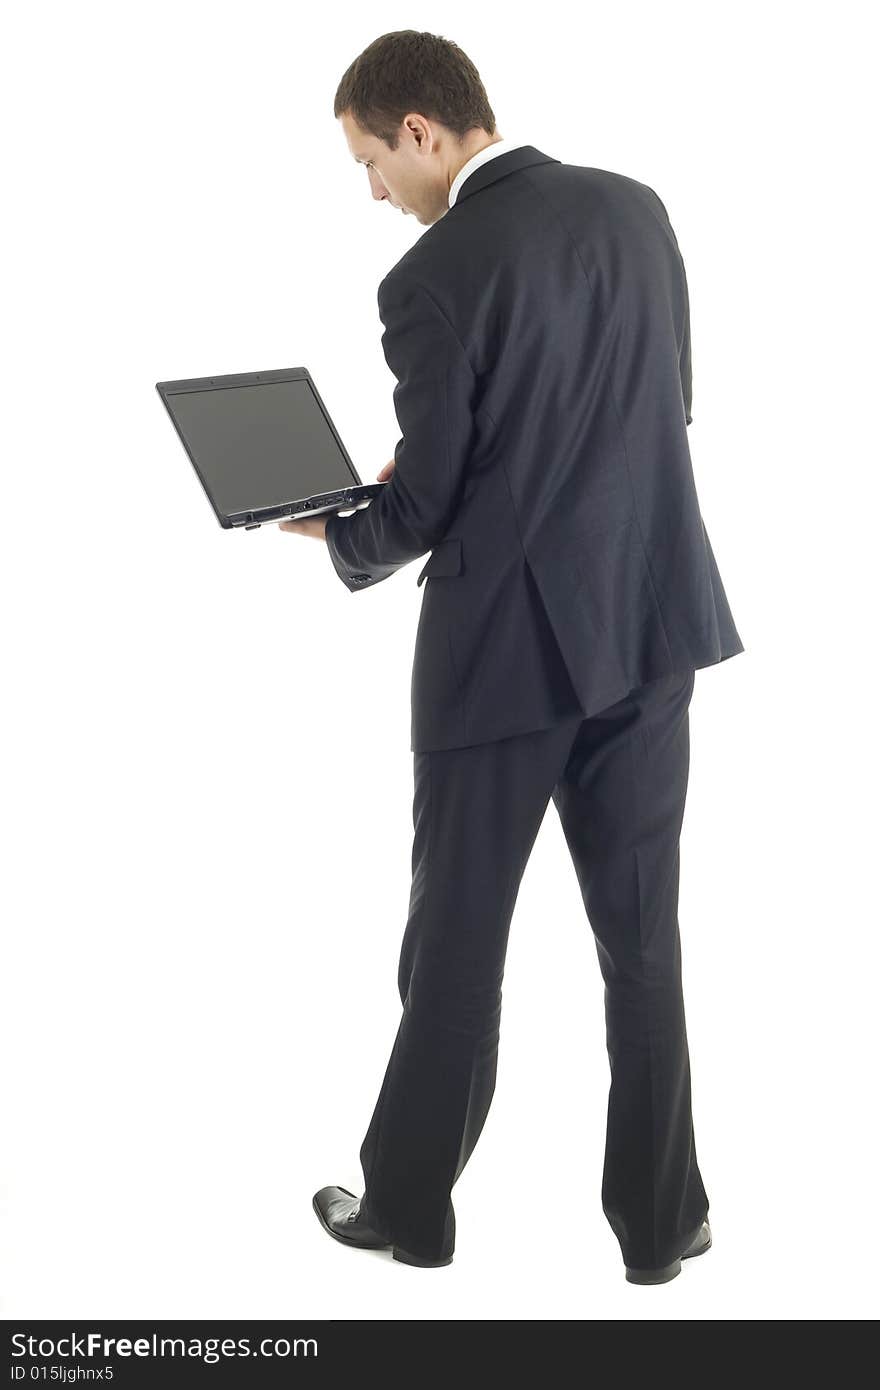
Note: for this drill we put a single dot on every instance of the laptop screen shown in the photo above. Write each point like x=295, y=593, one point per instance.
x=259, y=445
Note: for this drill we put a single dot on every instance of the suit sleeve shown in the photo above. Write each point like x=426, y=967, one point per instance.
x=684, y=353
x=684, y=356
x=433, y=401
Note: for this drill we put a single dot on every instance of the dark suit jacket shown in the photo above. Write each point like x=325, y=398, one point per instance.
x=540, y=337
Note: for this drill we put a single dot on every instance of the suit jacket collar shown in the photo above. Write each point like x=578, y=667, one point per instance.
x=508, y=163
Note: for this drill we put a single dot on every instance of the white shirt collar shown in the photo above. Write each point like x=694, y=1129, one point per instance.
x=481, y=157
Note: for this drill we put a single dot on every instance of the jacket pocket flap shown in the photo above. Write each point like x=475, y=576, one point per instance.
x=444, y=559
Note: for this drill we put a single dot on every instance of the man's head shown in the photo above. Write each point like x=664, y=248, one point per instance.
x=413, y=111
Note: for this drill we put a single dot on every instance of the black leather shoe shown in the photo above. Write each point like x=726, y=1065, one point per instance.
x=339, y=1212
x=698, y=1246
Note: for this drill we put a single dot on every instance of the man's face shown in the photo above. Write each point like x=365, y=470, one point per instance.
x=411, y=178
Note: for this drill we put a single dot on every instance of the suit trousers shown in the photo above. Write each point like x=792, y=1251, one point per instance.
x=618, y=781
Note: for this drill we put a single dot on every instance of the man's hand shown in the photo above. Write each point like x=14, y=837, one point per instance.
x=306, y=526
x=385, y=473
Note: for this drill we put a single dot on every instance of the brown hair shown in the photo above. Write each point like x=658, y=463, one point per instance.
x=410, y=71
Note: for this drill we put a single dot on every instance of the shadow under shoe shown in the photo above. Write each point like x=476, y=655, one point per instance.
x=338, y=1211
x=697, y=1246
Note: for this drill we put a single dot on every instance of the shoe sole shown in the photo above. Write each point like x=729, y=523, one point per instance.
x=402, y=1255
x=407, y=1259
x=663, y=1276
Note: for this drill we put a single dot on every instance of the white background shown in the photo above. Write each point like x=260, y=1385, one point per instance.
x=207, y=774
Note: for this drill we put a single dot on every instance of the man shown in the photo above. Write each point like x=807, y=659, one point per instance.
x=539, y=333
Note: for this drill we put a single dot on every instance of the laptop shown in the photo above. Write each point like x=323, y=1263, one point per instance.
x=263, y=446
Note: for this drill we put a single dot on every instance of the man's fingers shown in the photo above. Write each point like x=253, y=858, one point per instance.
x=305, y=526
